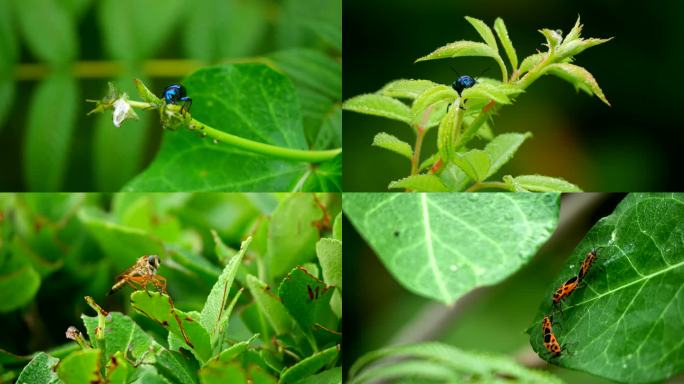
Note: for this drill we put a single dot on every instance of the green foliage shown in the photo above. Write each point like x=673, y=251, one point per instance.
x=625, y=321
x=428, y=241
x=232, y=333
x=440, y=363
x=457, y=165
x=162, y=44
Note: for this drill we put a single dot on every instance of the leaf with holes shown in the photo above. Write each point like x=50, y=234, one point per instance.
x=443, y=245
x=626, y=320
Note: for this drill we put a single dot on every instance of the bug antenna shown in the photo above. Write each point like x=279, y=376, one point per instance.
x=481, y=73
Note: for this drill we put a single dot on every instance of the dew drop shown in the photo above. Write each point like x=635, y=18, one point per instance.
x=215, y=141
x=453, y=267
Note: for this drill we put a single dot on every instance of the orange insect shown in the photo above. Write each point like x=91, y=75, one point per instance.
x=550, y=341
x=142, y=273
x=589, y=259
x=564, y=291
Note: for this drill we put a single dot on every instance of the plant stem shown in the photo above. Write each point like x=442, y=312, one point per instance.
x=489, y=185
x=250, y=145
x=263, y=148
x=420, y=133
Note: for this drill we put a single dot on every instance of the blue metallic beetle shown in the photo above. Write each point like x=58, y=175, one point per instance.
x=462, y=83
x=175, y=93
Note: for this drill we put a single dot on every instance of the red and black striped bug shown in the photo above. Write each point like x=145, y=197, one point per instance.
x=588, y=261
x=550, y=342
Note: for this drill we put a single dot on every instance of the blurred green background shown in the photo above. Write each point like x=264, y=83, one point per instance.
x=55, y=54
x=490, y=319
x=630, y=146
x=57, y=248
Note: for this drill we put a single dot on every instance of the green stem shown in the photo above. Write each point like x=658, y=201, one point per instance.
x=489, y=185
x=266, y=149
x=416, y=150
x=250, y=145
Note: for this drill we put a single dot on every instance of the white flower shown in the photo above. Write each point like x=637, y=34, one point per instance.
x=122, y=111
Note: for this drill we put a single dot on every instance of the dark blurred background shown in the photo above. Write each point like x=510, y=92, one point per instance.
x=630, y=146
x=490, y=319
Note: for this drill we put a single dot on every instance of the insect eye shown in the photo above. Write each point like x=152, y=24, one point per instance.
x=153, y=260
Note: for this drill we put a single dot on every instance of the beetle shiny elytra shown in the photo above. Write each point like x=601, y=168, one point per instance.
x=462, y=83
x=175, y=93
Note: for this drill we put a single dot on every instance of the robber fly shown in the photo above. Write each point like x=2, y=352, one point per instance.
x=142, y=273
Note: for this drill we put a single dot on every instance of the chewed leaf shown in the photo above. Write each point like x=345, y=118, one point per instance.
x=484, y=31
x=378, y=105
x=625, y=322
x=389, y=142
x=121, y=334
x=420, y=183
x=406, y=88
x=502, y=32
x=475, y=163
x=579, y=77
x=158, y=307
x=539, y=183
x=81, y=367
x=460, y=49
x=306, y=298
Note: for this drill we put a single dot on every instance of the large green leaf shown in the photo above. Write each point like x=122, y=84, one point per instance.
x=306, y=298
x=41, y=369
x=121, y=334
x=81, y=367
x=49, y=133
x=309, y=366
x=248, y=100
x=270, y=305
x=626, y=321
x=443, y=245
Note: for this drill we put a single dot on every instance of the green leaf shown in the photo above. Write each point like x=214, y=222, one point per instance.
x=292, y=233
x=337, y=227
x=484, y=31
x=48, y=30
x=579, y=77
x=487, y=91
x=265, y=109
x=219, y=29
x=310, y=23
x=306, y=298
x=118, y=369
x=219, y=372
x=322, y=177
x=500, y=150
x=330, y=376
x=49, y=132
x=443, y=362
x=318, y=80
x=121, y=334
x=81, y=367
x=158, y=307
x=269, y=305
x=531, y=61
x=475, y=163
x=379, y=105
x=575, y=32
x=460, y=49
x=175, y=365
x=408, y=89
x=135, y=30
x=430, y=100
x=213, y=317
x=329, y=252
x=9, y=51
x=553, y=38
x=539, y=183
x=18, y=288
x=419, y=183
x=41, y=369
x=625, y=321
x=427, y=240
x=309, y=366
x=392, y=143
x=502, y=33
